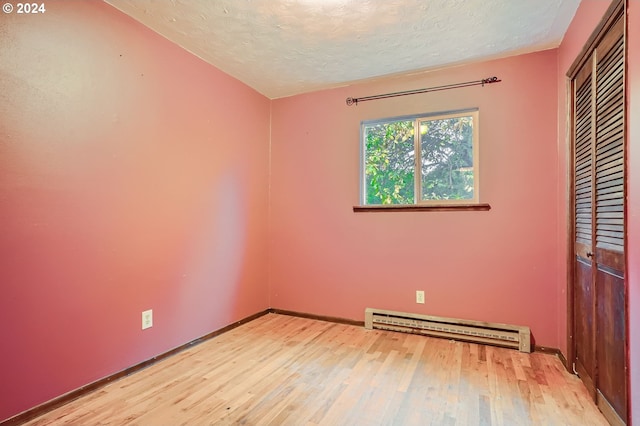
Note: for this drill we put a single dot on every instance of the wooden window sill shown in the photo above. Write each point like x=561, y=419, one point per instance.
x=422, y=208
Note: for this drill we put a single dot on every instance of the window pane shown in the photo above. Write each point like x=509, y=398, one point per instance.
x=389, y=163
x=447, y=158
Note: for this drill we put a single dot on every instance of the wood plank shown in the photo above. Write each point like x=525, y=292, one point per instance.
x=286, y=370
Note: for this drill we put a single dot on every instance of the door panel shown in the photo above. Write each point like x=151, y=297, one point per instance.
x=611, y=356
x=583, y=292
x=611, y=336
x=584, y=325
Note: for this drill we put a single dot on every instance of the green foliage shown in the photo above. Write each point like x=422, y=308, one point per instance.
x=389, y=163
x=446, y=150
x=447, y=159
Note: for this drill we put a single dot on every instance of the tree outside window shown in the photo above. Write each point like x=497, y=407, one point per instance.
x=446, y=168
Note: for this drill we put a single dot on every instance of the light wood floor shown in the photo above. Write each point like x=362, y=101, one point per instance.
x=282, y=370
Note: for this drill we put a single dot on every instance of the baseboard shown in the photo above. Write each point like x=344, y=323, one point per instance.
x=608, y=411
x=41, y=409
x=564, y=361
x=546, y=350
x=554, y=351
x=317, y=317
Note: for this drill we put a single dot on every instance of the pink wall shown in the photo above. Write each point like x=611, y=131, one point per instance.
x=498, y=266
x=633, y=197
x=132, y=176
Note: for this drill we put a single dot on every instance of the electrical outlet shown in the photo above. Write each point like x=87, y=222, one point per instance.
x=147, y=319
x=419, y=296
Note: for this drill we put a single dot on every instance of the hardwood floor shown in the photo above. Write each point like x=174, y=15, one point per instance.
x=283, y=370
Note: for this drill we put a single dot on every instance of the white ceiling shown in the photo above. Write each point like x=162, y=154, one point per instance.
x=286, y=47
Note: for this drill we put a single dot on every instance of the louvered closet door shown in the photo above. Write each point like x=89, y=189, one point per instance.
x=599, y=317
x=583, y=291
x=609, y=221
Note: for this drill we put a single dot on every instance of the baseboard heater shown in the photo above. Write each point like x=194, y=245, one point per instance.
x=511, y=336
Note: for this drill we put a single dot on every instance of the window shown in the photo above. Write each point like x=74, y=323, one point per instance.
x=444, y=170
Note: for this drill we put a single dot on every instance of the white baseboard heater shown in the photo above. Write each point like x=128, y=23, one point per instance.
x=511, y=336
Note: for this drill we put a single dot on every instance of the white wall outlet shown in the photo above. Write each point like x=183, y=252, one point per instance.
x=419, y=296
x=147, y=319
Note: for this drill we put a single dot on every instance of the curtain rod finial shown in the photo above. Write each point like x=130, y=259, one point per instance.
x=351, y=101
x=490, y=80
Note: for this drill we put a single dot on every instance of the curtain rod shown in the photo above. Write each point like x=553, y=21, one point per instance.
x=351, y=101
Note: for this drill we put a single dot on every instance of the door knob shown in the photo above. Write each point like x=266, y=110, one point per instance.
x=589, y=254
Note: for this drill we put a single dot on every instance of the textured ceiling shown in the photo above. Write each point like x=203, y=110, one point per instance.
x=286, y=47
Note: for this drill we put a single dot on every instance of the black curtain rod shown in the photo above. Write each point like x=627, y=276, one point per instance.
x=351, y=101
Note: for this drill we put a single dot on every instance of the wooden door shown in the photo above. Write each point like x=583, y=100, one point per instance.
x=599, y=331
x=609, y=223
x=583, y=291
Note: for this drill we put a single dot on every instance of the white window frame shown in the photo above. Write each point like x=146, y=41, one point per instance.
x=417, y=119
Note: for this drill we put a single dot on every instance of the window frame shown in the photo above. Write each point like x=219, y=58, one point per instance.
x=419, y=203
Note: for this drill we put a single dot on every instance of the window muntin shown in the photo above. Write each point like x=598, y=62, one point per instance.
x=447, y=167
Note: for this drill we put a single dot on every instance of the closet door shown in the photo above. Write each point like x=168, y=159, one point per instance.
x=583, y=289
x=599, y=318
x=610, y=222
